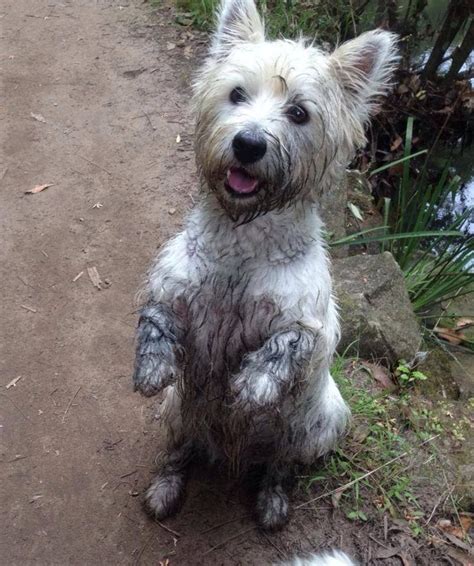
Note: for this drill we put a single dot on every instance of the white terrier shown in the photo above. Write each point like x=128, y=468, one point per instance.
x=240, y=325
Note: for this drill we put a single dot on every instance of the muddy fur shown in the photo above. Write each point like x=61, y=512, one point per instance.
x=334, y=558
x=240, y=325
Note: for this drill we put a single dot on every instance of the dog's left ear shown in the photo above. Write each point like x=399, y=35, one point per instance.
x=238, y=21
x=363, y=67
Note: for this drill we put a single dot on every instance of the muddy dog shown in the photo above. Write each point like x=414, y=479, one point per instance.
x=239, y=323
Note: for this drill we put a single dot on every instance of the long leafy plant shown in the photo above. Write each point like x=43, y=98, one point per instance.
x=438, y=264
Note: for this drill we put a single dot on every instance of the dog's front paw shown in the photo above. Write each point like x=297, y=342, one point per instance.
x=253, y=389
x=152, y=374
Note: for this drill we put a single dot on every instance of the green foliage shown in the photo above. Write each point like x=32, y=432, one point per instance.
x=335, y=21
x=437, y=263
x=436, y=268
x=375, y=440
x=408, y=376
x=390, y=453
x=325, y=20
x=201, y=12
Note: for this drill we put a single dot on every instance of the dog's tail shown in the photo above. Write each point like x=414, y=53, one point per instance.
x=334, y=558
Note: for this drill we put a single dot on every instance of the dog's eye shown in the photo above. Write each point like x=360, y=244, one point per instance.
x=297, y=114
x=238, y=95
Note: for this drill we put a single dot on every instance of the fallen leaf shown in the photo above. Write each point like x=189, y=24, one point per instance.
x=459, y=543
x=336, y=496
x=170, y=46
x=95, y=277
x=134, y=73
x=27, y=308
x=35, y=498
x=396, y=169
x=355, y=211
x=380, y=374
x=445, y=110
x=461, y=557
x=387, y=553
x=38, y=117
x=396, y=144
x=405, y=559
x=467, y=521
x=463, y=323
x=450, y=335
x=13, y=382
x=457, y=531
x=39, y=188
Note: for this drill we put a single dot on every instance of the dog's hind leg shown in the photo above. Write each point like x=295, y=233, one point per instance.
x=166, y=493
x=273, y=507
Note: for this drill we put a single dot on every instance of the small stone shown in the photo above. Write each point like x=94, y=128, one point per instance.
x=172, y=211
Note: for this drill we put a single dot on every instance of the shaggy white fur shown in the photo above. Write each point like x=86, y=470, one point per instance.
x=334, y=558
x=240, y=322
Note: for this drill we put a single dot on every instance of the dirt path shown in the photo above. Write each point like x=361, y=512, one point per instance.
x=76, y=443
x=94, y=96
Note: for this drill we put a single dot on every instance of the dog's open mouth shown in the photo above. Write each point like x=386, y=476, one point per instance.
x=240, y=183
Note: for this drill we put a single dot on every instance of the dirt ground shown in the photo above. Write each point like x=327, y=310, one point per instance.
x=95, y=94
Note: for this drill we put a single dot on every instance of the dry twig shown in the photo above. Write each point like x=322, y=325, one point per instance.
x=70, y=403
x=224, y=542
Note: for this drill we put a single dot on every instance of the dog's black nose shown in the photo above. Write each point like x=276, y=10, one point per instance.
x=249, y=146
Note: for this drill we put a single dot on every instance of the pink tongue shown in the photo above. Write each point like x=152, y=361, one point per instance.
x=240, y=181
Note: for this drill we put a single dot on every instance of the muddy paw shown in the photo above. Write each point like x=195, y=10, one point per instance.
x=152, y=374
x=252, y=390
x=165, y=496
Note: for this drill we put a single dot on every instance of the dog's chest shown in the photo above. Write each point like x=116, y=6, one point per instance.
x=224, y=322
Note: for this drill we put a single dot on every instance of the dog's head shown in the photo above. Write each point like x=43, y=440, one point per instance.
x=276, y=120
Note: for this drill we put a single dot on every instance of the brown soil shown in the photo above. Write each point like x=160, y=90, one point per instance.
x=77, y=445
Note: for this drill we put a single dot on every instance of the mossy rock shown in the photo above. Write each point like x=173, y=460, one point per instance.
x=441, y=383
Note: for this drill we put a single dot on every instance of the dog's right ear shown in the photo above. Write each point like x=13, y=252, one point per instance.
x=238, y=21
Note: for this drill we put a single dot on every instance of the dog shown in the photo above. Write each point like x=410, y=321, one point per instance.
x=334, y=558
x=239, y=325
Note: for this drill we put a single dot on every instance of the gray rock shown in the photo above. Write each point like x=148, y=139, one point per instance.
x=377, y=318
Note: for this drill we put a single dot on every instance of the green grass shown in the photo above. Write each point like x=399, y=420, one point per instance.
x=327, y=21
x=201, y=12
x=387, y=435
